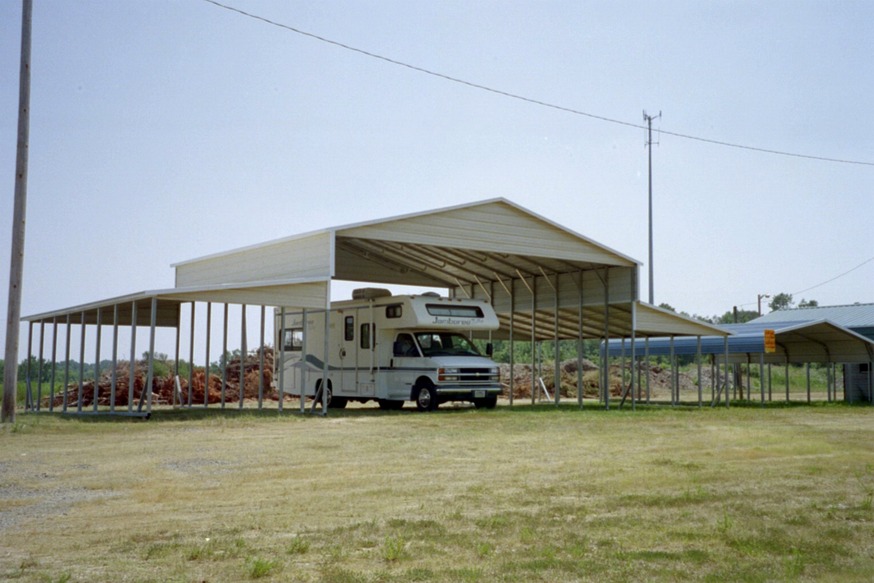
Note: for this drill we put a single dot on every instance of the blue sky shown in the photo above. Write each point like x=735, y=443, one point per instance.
x=163, y=131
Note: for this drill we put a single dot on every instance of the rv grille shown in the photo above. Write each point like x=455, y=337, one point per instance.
x=478, y=374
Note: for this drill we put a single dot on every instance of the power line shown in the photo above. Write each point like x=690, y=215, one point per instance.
x=849, y=271
x=529, y=99
x=869, y=260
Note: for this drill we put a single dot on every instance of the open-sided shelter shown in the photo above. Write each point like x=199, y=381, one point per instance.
x=545, y=281
x=830, y=335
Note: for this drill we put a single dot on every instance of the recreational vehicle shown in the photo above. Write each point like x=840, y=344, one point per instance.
x=390, y=349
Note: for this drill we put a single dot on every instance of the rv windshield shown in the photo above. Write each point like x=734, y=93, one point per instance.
x=445, y=343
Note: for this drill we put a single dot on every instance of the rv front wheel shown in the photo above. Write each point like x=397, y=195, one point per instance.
x=489, y=402
x=426, y=398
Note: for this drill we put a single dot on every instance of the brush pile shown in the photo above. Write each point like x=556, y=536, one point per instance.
x=240, y=374
x=660, y=379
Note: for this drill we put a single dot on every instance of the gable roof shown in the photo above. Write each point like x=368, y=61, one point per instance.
x=556, y=282
x=440, y=248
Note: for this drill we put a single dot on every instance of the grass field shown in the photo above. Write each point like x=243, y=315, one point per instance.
x=528, y=494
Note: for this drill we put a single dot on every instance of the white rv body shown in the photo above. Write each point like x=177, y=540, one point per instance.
x=390, y=349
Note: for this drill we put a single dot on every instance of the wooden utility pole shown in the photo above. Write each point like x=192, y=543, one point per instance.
x=13, y=314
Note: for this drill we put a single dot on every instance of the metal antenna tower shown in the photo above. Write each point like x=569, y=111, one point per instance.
x=648, y=119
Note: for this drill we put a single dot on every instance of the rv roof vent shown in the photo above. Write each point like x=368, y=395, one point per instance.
x=431, y=295
x=370, y=293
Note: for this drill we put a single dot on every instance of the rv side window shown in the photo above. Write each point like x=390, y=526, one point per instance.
x=349, y=328
x=394, y=311
x=365, y=336
x=293, y=339
x=456, y=311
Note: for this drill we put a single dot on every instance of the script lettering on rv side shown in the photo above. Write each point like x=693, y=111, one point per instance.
x=447, y=321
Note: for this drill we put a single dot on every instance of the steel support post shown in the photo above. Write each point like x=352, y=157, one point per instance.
x=28, y=373
x=674, y=392
x=191, y=356
x=534, y=370
x=622, y=389
x=176, y=386
x=633, y=365
x=557, y=350
x=39, y=363
x=304, y=371
x=281, y=367
x=132, y=373
x=114, y=381
x=605, y=362
x=98, y=329
x=727, y=396
x=206, y=365
x=54, y=363
x=646, y=357
x=828, y=389
x=762, y=377
x=787, y=380
x=244, y=350
x=325, y=387
x=713, y=371
x=602, y=384
x=807, y=364
x=871, y=383
x=580, y=351
x=698, y=357
x=512, y=339
x=151, y=374
x=66, y=364
x=261, y=360
x=81, y=363
x=224, y=358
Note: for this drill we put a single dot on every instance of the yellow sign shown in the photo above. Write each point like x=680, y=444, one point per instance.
x=770, y=342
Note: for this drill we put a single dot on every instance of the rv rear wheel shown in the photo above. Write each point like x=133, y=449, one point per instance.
x=318, y=396
x=390, y=404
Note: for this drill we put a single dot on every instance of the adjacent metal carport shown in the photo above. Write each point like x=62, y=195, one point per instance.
x=546, y=282
x=795, y=342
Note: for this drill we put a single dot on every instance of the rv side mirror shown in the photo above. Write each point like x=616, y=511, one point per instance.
x=398, y=348
x=490, y=349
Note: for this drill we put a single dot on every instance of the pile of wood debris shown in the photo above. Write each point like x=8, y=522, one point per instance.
x=660, y=379
x=165, y=390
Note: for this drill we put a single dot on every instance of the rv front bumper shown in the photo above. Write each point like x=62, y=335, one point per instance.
x=479, y=392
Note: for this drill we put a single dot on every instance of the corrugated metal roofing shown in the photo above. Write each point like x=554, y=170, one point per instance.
x=849, y=316
x=550, y=281
x=804, y=341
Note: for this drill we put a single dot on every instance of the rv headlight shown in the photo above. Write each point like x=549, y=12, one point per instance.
x=447, y=374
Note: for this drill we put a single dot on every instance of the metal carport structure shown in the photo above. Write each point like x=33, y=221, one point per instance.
x=545, y=281
x=795, y=342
